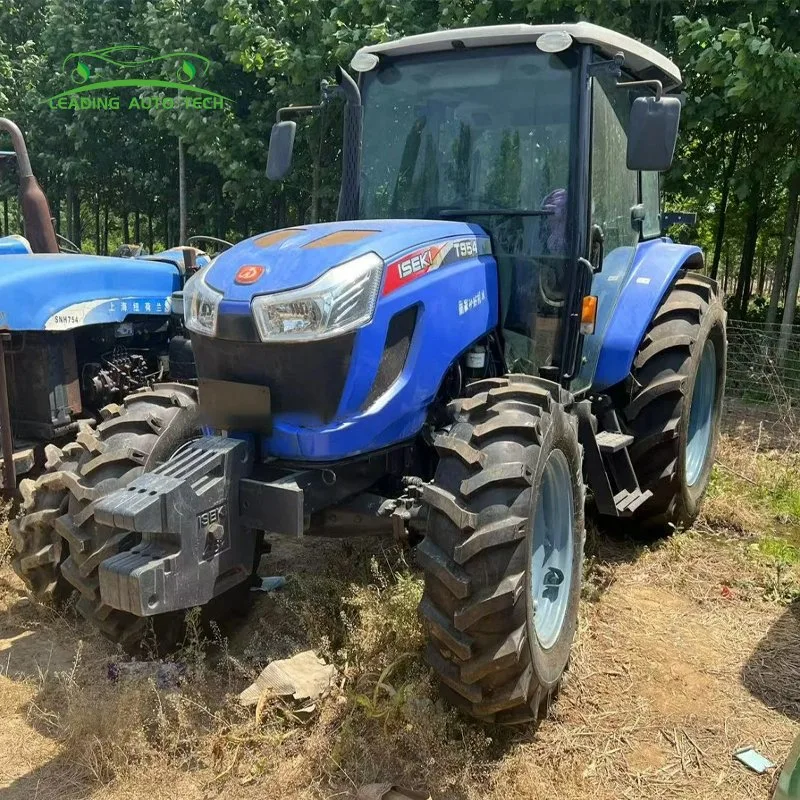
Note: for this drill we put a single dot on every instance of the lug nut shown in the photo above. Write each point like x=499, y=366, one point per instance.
x=216, y=531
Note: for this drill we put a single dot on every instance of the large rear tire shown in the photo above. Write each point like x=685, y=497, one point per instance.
x=503, y=552
x=39, y=549
x=138, y=436
x=674, y=406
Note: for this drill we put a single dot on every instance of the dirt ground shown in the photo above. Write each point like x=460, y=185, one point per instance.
x=688, y=649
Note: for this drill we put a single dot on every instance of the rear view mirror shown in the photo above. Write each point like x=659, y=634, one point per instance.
x=652, y=133
x=281, y=145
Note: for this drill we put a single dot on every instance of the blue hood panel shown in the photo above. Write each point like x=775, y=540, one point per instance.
x=295, y=257
x=60, y=291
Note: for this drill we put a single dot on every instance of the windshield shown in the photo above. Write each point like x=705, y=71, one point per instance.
x=470, y=132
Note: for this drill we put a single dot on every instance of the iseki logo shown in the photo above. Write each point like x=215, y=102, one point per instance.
x=419, y=262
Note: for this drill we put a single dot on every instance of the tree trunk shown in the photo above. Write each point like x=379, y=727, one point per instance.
x=165, y=223
x=748, y=252
x=221, y=215
x=57, y=209
x=150, y=230
x=126, y=228
x=723, y=203
x=727, y=267
x=5, y=216
x=315, y=181
x=762, y=269
x=791, y=299
x=97, y=224
x=76, y=210
x=70, y=215
x=105, y=229
x=137, y=227
x=181, y=194
x=783, y=254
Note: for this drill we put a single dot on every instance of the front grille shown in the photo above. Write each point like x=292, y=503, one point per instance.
x=303, y=377
x=395, y=353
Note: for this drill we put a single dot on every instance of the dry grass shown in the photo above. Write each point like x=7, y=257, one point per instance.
x=688, y=649
x=753, y=489
x=6, y=545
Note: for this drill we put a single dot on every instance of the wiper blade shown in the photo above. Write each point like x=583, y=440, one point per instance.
x=494, y=212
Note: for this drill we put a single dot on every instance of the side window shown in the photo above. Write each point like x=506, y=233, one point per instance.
x=650, y=200
x=615, y=188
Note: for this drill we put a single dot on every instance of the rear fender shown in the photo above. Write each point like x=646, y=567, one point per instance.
x=655, y=266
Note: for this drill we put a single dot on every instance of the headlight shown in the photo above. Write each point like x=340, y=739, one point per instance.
x=200, y=305
x=342, y=299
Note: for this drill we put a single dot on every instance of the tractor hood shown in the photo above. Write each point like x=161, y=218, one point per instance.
x=294, y=257
x=61, y=292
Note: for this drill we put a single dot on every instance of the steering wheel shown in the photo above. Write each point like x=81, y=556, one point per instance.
x=551, y=280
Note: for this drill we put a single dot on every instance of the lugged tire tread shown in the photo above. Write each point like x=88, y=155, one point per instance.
x=662, y=381
x=39, y=550
x=515, y=473
x=435, y=560
x=494, y=534
x=125, y=442
x=478, y=646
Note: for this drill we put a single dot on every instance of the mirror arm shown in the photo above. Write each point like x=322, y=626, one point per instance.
x=654, y=84
x=282, y=112
x=612, y=66
x=328, y=92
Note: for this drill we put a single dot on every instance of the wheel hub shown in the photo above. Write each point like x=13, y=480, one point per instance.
x=550, y=570
x=701, y=415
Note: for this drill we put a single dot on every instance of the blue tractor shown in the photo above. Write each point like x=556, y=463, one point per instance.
x=494, y=327
x=77, y=334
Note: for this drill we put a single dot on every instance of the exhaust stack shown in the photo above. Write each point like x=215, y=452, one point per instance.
x=35, y=210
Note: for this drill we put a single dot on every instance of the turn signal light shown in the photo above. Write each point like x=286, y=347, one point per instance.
x=588, y=314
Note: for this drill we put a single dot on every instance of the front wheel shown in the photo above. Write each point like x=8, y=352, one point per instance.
x=503, y=552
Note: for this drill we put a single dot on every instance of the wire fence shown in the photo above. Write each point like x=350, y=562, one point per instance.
x=762, y=397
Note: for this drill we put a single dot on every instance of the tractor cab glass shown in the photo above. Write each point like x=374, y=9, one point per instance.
x=483, y=135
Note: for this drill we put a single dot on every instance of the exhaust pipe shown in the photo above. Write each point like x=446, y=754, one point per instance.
x=35, y=210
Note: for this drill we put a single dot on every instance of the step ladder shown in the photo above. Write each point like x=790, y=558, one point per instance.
x=608, y=462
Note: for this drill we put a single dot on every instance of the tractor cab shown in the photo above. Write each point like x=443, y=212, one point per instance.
x=548, y=137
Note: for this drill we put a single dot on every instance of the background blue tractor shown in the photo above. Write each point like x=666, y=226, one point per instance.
x=77, y=333
x=494, y=325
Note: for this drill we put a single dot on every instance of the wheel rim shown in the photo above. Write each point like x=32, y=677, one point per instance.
x=551, y=552
x=701, y=415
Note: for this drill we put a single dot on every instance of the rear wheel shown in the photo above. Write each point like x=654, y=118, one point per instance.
x=39, y=549
x=138, y=436
x=675, y=405
x=503, y=551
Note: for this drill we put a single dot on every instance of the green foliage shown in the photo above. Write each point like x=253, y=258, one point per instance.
x=741, y=65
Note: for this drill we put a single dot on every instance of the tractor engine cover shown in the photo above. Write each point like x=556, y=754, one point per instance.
x=350, y=327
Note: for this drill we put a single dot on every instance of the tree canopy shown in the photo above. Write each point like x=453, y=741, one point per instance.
x=113, y=177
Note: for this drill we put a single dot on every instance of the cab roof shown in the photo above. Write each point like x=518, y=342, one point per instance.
x=642, y=61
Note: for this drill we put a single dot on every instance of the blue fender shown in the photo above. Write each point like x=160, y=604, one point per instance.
x=655, y=266
x=49, y=291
